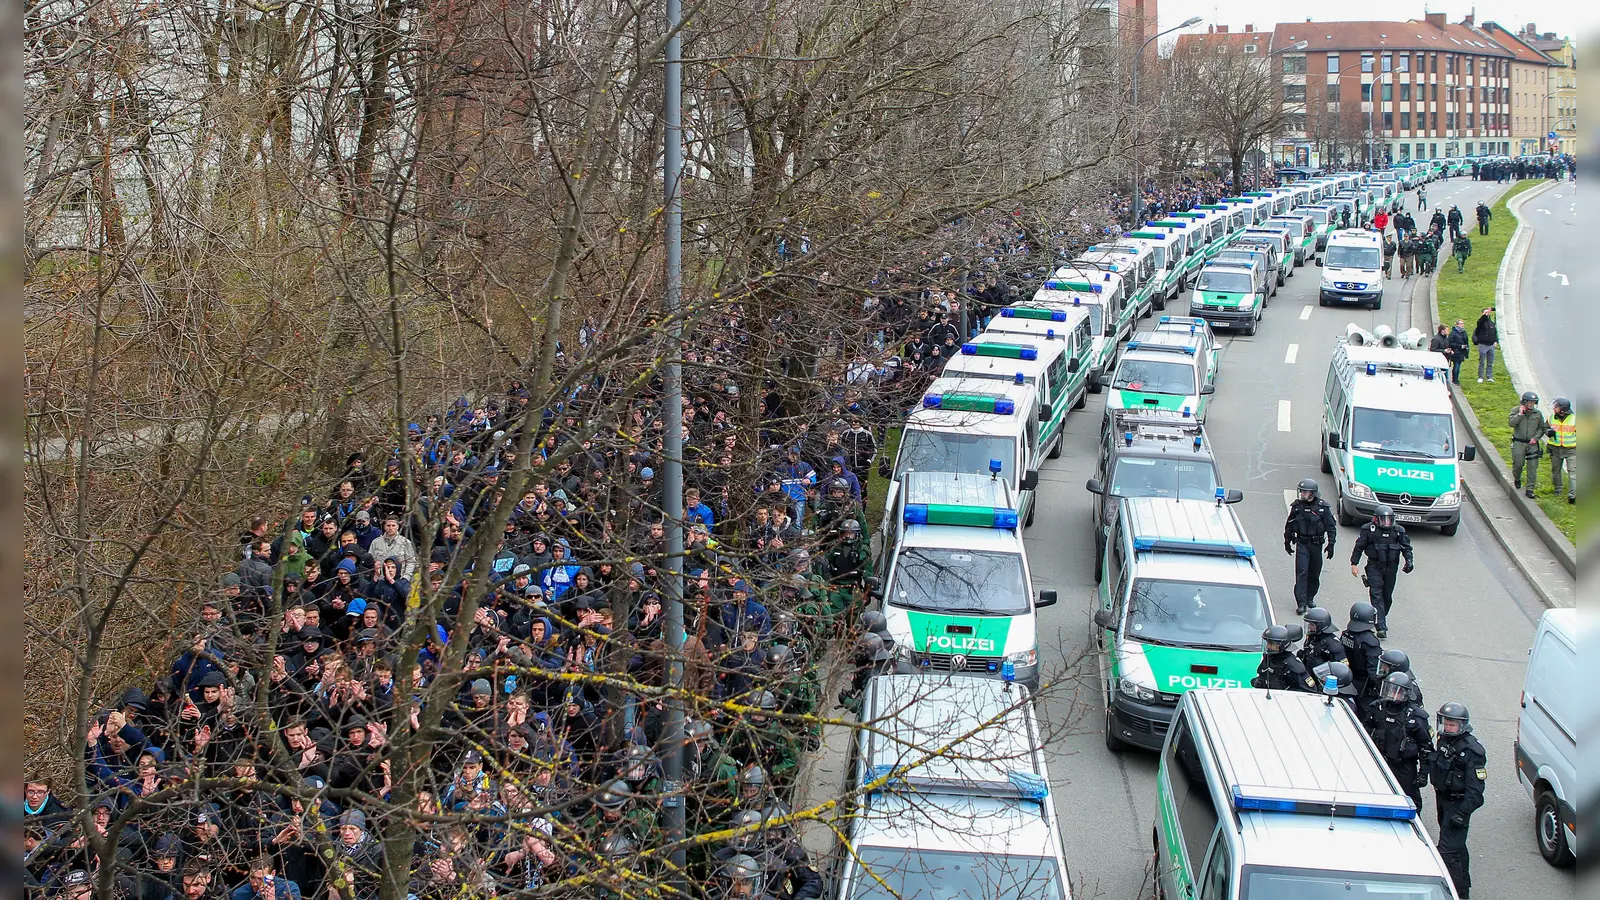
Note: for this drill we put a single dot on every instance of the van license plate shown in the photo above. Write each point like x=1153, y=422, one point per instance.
x=1408, y=518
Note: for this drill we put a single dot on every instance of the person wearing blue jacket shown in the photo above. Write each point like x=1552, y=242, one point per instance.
x=797, y=477
x=556, y=579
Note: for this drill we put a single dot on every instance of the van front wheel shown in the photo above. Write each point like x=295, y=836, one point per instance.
x=1550, y=831
x=1451, y=529
x=1113, y=743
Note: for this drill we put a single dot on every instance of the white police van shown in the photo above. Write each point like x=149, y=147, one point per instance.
x=1055, y=365
x=1163, y=369
x=956, y=796
x=1352, y=269
x=1059, y=307
x=1280, y=795
x=1554, y=709
x=1182, y=605
x=976, y=426
x=958, y=593
x=1388, y=432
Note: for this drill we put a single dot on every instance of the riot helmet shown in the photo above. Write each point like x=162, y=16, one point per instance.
x=614, y=796
x=1383, y=515
x=1309, y=489
x=1363, y=617
x=1344, y=681
x=1275, y=639
x=1318, y=621
x=752, y=782
x=1396, y=689
x=741, y=876
x=1452, y=720
x=1393, y=661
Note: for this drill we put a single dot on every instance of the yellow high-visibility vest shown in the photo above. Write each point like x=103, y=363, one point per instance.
x=1566, y=431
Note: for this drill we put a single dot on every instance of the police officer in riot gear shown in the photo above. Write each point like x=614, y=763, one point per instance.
x=1310, y=526
x=779, y=861
x=1399, y=729
x=1361, y=647
x=1280, y=669
x=1395, y=660
x=1458, y=769
x=874, y=622
x=1384, y=542
x=1322, y=640
x=872, y=657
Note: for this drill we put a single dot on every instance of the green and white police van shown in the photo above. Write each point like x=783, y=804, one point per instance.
x=1182, y=605
x=1164, y=370
x=1325, y=219
x=1280, y=795
x=1167, y=247
x=1135, y=264
x=1388, y=432
x=1303, y=233
x=1239, y=216
x=1056, y=366
x=958, y=594
x=975, y=426
x=954, y=795
x=1194, y=243
x=1273, y=204
x=1283, y=242
x=1110, y=288
x=1109, y=320
x=1216, y=225
x=1228, y=295
x=1152, y=453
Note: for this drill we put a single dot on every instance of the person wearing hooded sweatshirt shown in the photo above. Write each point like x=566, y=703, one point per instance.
x=556, y=579
x=1486, y=335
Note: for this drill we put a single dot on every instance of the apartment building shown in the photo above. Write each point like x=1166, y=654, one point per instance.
x=1531, y=119
x=1563, y=91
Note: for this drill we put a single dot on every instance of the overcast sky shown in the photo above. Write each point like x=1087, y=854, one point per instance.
x=1571, y=18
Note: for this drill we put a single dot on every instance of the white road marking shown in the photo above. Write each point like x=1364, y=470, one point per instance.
x=1305, y=313
x=1283, y=415
x=1294, y=351
x=1288, y=497
x=1563, y=278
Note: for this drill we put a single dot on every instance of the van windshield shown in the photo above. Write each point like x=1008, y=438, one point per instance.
x=1403, y=433
x=920, y=874
x=1318, y=215
x=922, y=450
x=1155, y=376
x=1345, y=257
x=1164, y=476
x=976, y=582
x=1230, y=281
x=1313, y=884
x=1160, y=255
x=1186, y=613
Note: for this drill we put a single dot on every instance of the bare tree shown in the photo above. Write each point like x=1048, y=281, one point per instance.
x=1241, y=98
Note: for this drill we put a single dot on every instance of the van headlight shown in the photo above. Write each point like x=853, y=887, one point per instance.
x=1023, y=658
x=1136, y=690
x=1448, y=498
x=1361, y=491
x=1248, y=302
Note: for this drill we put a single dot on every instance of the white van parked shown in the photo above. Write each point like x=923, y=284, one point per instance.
x=1546, y=746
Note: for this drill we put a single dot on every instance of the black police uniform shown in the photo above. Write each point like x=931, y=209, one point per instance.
x=1401, y=733
x=1384, y=546
x=1458, y=768
x=1323, y=647
x=1283, y=671
x=1361, y=650
x=1310, y=524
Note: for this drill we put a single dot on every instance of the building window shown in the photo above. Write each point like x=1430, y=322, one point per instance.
x=1405, y=152
x=1405, y=120
x=1472, y=124
x=1333, y=92
x=1449, y=64
x=1294, y=93
x=1404, y=62
x=1388, y=121
x=1366, y=62
x=1435, y=91
x=1433, y=122
x=1222, y=50
x=1469, y=67
x=1295, y=123
x=1249, y=49
x=1449, y=121
x=1388, y=92
x=1388, y=62
x=1433, y=62
x=1405, y=91
x=1366, y=92
x=1333, y=63
x=1294, y=65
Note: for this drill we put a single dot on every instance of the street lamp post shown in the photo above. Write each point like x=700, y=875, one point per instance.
x=1338, y=80
x=1138, y=181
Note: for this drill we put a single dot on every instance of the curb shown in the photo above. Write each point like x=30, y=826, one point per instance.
x=1508, y=294
x=1565, y=553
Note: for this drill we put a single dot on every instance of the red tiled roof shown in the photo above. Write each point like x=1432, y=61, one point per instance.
x=1235, y=41
x=1520, y=49
x=1417, y=34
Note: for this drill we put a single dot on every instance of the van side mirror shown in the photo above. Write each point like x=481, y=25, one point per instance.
x=1105, y=380
x=1094, y=486
x=1334, y=443
x=1044, y=411
x=1074, y=365
x=1102, y=618
x=1047, y=597
x=1469, y=453
x=875, y=588
x=1234, y=495
x=1030, y=479
x=1208, y=389
x=1319, y=262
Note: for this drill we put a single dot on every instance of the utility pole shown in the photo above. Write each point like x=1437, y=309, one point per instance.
x=672, y=812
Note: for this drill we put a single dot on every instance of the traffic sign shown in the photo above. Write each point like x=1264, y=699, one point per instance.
x=1552, y=135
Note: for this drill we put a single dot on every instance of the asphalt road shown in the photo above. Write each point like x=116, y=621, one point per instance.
x=1465, y=616
x=1561, y=264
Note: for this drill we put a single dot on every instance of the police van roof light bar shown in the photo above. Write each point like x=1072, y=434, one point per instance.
x=1394, y=807
x=979, y=403
x=1236, y=549
x=1001, y=350
x=1034, y=312
x=955, y=514
x=1084, y=286
x=1160, y=348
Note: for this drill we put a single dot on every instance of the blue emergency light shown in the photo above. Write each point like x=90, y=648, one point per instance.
x=1330, y=685
x=982, y=403
x=1029, y=786
x=1197, y=442
x=954, y=514
x=1427, y=373
x=1021, y=379
x=1221, y=495
x=1024, y=312
x=1127, y=438
x=1238, y=549
x=995, y=466
x=1394, y=807
x=1372, y=368
x=1008, y=671
x=1186, y=412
